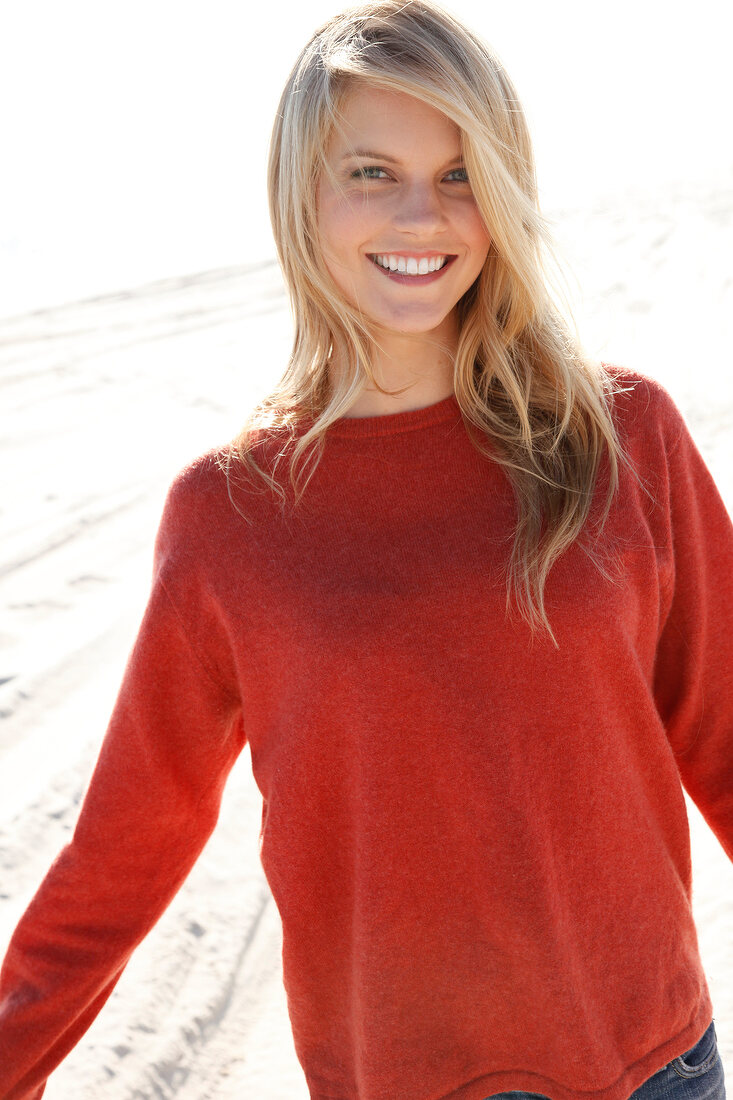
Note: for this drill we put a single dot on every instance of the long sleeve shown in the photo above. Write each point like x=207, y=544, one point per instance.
x=694, y=670
x=152, y=803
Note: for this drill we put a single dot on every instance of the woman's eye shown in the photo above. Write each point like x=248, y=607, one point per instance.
x=371, y=172
x=460, y=173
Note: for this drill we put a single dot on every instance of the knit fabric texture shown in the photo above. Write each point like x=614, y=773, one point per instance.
x=476, y=839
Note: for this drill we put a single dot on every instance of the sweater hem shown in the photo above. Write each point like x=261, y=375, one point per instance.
x=487, y=1085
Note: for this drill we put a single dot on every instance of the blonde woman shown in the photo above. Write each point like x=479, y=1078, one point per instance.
x=468, y=597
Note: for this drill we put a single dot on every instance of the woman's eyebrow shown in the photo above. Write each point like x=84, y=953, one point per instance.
x=369, y=154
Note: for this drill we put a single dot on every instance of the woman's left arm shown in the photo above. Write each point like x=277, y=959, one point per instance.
x=694, y=662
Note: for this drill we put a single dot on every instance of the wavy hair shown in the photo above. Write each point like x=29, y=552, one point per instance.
x=530, y=399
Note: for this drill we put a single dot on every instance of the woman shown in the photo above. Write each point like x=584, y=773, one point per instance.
x=467, y=596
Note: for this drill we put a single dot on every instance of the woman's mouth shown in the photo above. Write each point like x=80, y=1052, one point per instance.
x=407, y=268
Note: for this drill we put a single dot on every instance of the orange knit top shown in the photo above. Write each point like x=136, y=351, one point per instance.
x=477, y=840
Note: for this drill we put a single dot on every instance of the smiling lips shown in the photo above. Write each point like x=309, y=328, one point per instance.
x=407, y=268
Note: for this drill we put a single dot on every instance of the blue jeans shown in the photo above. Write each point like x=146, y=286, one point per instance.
x=695, y=1075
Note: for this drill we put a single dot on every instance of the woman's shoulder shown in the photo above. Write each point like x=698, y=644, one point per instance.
x=642, y=408
x=203, y=509
x=216, y=495
x=208, y=478
x=198, y=486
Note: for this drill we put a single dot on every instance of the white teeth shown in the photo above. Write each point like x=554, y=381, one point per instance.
x=409, y=265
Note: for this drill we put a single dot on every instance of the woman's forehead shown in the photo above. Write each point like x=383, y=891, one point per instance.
x=369, y=115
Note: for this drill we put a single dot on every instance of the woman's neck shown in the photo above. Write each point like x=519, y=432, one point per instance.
x=420, y=367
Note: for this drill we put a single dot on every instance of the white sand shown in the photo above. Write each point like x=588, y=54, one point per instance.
x=109, y=397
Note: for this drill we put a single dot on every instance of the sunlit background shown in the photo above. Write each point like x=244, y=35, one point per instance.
x=133, y=135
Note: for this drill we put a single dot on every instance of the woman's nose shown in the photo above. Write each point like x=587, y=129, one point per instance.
x=419, y=209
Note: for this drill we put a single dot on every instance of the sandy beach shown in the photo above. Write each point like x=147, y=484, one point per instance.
x=104, y=400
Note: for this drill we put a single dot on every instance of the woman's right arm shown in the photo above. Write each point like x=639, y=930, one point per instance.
x=152, y=803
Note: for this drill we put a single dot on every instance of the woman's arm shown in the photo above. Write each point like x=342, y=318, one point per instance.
x=152, y=803
x=694, y=666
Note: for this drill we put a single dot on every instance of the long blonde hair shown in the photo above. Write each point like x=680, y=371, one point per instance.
x=529, y=397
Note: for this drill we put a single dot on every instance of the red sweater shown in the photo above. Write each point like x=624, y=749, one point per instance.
x=477, y=842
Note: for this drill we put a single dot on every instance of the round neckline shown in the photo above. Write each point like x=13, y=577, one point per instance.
x=350, y=427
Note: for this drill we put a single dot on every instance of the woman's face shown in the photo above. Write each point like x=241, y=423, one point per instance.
x=402, y=236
